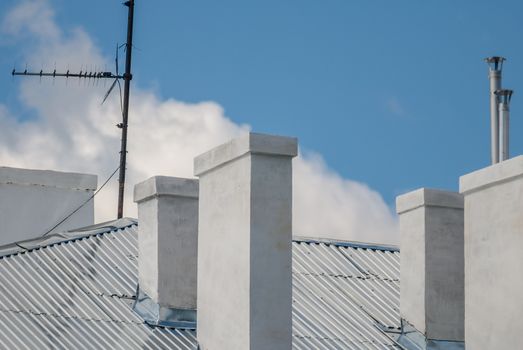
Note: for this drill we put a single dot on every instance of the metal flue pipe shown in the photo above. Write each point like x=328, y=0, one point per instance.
x=504, y=96
x=495, y=64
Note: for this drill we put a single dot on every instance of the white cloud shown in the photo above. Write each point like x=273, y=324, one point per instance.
x=34, y=18
x=73, y=132
x=327, y=205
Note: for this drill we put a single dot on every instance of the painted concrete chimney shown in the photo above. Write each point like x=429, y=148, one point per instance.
x=244, y=244
x=33, y=202
x=432, y=267
x=167, y=250
x=493, y=255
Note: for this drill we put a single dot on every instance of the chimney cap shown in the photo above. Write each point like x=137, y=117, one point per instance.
x=250, y=143
x=427, y=197
x=489, y=176
x=505, y=93
x=495, y=63
x=165, y=186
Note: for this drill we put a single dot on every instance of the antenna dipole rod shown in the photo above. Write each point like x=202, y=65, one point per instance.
x=125, y=113
x=54, y=74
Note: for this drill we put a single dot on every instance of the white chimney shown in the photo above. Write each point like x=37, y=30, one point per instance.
x=494, y=255
x=167, y=250
x=432, y=268
x=244, y=244
x=34, y=202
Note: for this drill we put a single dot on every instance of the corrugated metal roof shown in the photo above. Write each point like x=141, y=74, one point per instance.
x=340, y=292
x=75, y=290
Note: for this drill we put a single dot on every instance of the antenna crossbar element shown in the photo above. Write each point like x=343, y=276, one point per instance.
x=81, y=74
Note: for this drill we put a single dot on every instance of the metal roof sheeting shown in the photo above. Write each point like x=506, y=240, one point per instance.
x=340, y=293
x=75, y=291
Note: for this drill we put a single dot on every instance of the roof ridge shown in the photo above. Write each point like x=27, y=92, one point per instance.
x=28, y=245
x=349, y=244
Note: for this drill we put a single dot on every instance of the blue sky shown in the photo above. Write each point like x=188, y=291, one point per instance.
x=392, y=94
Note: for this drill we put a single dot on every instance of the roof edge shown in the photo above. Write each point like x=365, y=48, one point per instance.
x=48, y=178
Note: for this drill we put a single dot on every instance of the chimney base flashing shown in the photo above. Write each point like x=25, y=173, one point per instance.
x=156, y=315
x=410, y=338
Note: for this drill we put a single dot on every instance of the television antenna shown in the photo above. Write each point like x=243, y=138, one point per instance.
x=126, y=77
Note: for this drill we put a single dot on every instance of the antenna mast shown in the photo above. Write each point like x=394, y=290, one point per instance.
x=127, y=77
x=125, y=114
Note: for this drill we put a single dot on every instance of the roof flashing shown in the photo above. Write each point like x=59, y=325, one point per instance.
x=410, y=338
x=156, y=315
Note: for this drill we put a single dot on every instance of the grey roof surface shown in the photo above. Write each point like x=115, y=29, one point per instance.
x=75, y=291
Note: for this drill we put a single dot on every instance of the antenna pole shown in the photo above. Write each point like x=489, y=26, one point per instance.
x=125, y=114
x=127, y=77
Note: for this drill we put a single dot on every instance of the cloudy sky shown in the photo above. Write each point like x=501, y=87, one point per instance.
x=384, y=97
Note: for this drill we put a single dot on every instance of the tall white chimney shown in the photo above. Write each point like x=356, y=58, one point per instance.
x=244, y=244
x=36, y=202
x=494, y=255
x=167, y=250
x=432, y=267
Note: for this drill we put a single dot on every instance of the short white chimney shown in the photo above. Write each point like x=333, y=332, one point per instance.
x=244, y=244
x=494, y=255
x=432, y=281
x=35, y=202
x=167, y=250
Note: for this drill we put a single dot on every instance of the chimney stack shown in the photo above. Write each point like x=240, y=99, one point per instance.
x=495, y=64
x=432, y=267
x=493, y=255
x=244, y=244
x=34, y=202
x=167, y=250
